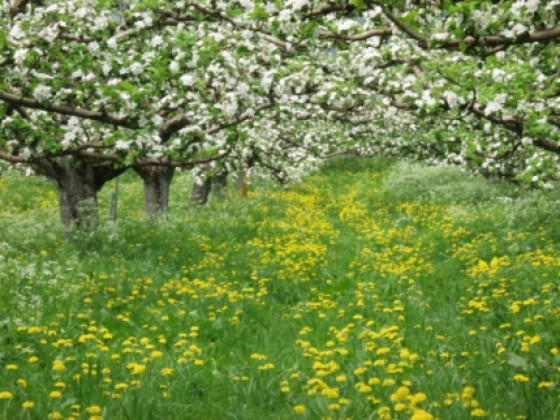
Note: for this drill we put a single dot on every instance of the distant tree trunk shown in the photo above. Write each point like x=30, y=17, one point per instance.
x=200, y=193
x=157, y=181
x=78, y=184
x=219, y=184
x=242, y=180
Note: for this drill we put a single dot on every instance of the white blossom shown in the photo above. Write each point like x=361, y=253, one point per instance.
x=187, y=79
x=297, y=4
x=174, y=66
x=136, y=68
x=42, y=92
x=451, y=98
x=247, y=4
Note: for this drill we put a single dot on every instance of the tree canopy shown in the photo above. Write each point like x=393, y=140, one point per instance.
x=284, y=83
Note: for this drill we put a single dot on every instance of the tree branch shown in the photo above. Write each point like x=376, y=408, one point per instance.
x=19, y=100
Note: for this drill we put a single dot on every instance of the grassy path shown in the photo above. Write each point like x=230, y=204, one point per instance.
x=369, y=291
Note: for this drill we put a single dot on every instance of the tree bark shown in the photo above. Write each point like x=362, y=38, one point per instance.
x=78, y=184
x=157, y=181
x=200, y=193
x=219, y=185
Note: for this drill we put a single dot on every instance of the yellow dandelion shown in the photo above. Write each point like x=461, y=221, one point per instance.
x=55, y=394
x=22, y=382
x=418, y=398
x=28, y=404
x=478, y=412
x=167, y=371
x=156, y=354
x=5, y=395
x=33, y=359
x=93, y=409
x=520, y=377
x=299, y=409
x=11, y=366
x=55, y=415
x=400, y=407
x=266, y=366
x=57, y=365
x=421, y=415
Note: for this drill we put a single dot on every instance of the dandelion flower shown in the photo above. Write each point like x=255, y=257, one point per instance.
x=93, y=409
x=5, y=395
x=421, y=415
x=299, y=409
x=55, y=394
x=520, y=377
x=28, y=404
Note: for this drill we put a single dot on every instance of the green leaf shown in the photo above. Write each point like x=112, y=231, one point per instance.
x=360, y=4
x=129, y=87
x=259, y=13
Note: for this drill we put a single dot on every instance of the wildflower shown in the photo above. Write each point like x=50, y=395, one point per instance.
x=418, y=398
x=266, y=366
x=546, y=384
x=400, y=394
x=28, y=404
x=421, y=415
x=5, y=395
x=55, y=415
x=478, y=412
x=22, y=382
x=33, y=359
x=167, y=371
x=136, y=368
x=400, y=407
x=11, y=366
x=55, y=394
x=58, y=365
x=359, y=370
x=93, y=409
x=520, y=377
x=299, y=409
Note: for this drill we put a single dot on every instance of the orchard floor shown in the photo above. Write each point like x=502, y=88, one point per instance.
x=370, y=290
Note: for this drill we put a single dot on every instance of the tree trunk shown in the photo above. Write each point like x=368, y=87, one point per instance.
x=157, y=181
x=200, y=193
x=219, y=185
x=78, y=184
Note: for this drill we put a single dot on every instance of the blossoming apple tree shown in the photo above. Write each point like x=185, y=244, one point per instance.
x=92, y=87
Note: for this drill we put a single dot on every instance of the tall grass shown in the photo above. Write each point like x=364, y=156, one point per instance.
x=371, y=290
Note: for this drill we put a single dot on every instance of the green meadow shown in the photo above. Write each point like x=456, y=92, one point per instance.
x=371, y=290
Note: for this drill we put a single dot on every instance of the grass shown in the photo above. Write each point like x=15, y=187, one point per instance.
x=371, y=290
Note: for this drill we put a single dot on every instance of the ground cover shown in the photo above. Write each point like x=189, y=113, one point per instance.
x=371, y=290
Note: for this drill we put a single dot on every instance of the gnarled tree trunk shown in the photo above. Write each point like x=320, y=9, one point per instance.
x=78, y=184
x=157, y=181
